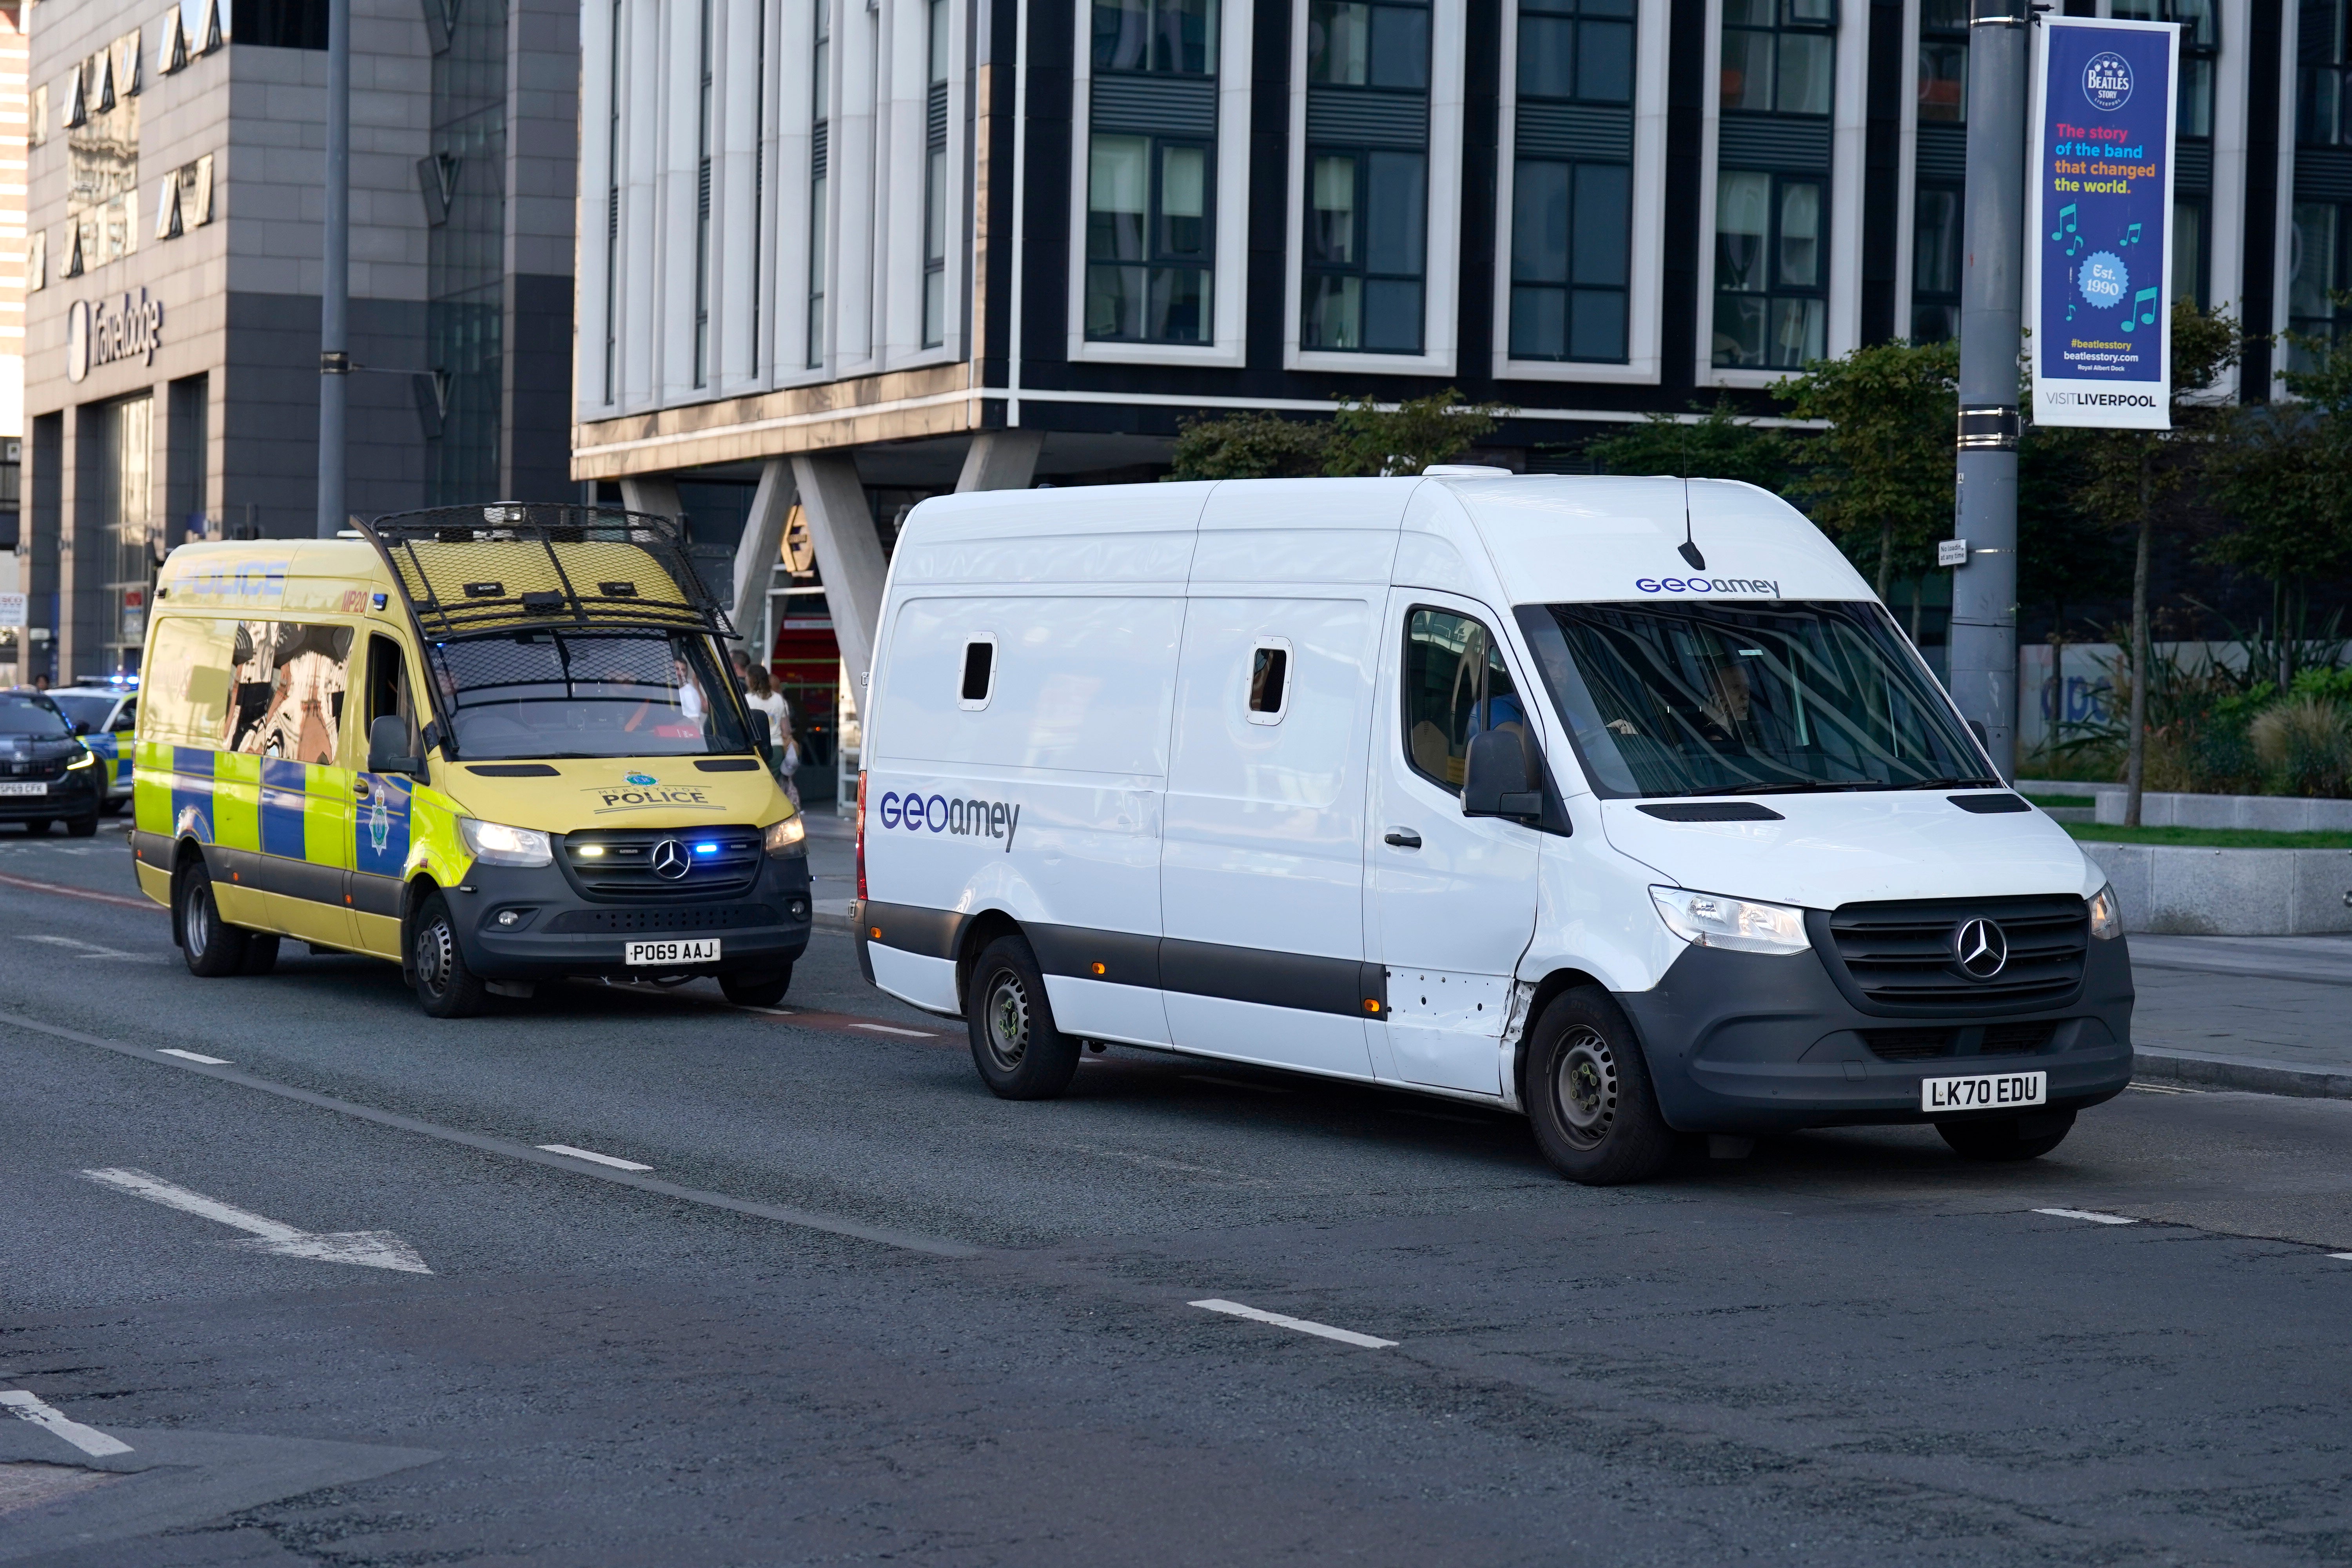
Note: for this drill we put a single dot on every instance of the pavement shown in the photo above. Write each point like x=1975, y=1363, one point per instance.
x=695, y=1284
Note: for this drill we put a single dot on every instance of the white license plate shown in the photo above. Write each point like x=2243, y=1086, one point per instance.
x=675, y=950
x=1992, y=1091
x=15, y=786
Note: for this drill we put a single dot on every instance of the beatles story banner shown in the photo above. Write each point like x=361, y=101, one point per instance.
x=2099, y=221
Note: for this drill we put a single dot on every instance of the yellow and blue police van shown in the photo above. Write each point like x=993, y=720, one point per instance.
x=498, y=745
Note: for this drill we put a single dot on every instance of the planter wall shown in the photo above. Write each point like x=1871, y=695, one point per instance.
x=2263, y=812
x=2184, y=892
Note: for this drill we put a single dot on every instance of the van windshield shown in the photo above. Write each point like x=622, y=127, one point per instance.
x=1747, y=698
x=539, y=694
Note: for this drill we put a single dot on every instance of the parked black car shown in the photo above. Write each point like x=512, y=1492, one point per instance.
x=46, y=771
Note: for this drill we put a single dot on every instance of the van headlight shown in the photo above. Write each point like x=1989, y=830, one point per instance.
x=1711, y=920
x=2107, y=915
x=495, y=844
x=789, y=837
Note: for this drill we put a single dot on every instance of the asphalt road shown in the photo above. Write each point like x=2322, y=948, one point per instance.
x=856, y=1308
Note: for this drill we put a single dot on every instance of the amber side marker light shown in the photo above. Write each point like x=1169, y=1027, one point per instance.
x=874, y=933
x=1371, y=1004
x=1099, y=969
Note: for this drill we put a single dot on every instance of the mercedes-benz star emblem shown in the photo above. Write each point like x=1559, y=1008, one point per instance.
x=1981, y=947
x=671, y=861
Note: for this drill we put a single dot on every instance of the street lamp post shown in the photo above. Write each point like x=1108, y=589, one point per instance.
x=335, y=292
x=1983, y=647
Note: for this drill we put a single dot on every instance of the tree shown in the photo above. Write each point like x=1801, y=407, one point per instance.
x=1361, y=438
x=1249, y=445
x=1882, y=483
x=1719, y=444
x=2127, y=476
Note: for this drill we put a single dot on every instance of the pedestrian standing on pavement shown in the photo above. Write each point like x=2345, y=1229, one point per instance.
x=762, y=694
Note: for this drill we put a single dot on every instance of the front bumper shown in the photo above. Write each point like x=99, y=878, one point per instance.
x=558, y=932
x=1744, y=1042
x=76, y=795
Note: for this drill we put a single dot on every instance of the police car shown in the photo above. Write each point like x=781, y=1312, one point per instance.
x=105, y=713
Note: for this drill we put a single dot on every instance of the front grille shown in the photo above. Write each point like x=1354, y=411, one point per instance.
x=2016, y=1040
x=1907, y=1045
x=619, y=863
x=691, y=916
x=33, y=770
x=1901, y=957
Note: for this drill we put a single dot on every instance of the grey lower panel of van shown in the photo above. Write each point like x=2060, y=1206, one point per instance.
x=1305, y=981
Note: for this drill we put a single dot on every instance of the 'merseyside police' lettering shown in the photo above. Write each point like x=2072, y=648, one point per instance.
x=964, y=818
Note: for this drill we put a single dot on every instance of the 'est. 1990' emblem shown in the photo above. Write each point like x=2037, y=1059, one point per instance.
x=2107, y=81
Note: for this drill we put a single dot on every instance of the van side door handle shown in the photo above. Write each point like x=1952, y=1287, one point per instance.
x=1401, y=838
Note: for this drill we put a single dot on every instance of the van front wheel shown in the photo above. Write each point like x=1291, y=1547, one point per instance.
x=1588, y=1094
x=212, y=946
x=1020, y=1054
x=445, y=987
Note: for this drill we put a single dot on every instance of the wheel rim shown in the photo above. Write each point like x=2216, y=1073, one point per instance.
x=1584, y=1088
x=196, y=923
x=1006, y=1020
x=434, y=953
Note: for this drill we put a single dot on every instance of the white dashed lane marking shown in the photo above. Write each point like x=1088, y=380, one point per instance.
x=367, y=1249
x=594, y=1158
x=190, y=1056
x=2091, y=1215
x=1304, y=1326
x=88, y=1439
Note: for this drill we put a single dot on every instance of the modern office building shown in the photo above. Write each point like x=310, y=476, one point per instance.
x=14, y=111
x=850, y=253
x=175, y=271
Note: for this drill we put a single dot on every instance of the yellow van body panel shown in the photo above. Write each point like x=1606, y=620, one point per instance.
x=325, y=851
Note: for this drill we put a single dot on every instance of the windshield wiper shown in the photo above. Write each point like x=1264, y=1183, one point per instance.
x=1949, y=783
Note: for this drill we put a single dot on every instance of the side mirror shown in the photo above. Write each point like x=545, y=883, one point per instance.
x=81, y=726
x=388, y=748
x=764, y=733
x=1499, y=776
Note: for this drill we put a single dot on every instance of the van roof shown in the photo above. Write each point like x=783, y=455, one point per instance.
x=1536, y=538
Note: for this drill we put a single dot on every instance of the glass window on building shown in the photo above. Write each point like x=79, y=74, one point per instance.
x=126, y=449
x=1572, y=201
x=1367, y=177
x=2319, y=274
x=1771, y=209
x=1936, y=264
x=2200, y=49
x=2322, y=64
x=1151, y=171
x=1944, y=61
x=935, y=183
x=819, y=93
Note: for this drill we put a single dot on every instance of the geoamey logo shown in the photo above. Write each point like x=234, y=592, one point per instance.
x=642, y=779
x=1768, y=588
x=963, y=818
x=671, y=860
x=1981, y=947
x=2107, y=81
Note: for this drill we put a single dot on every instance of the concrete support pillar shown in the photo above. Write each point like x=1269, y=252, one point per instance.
x=654, y=493
x=755, y=555
x=1001, y=460
x=848, y=557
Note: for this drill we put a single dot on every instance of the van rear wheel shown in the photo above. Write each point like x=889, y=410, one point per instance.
x=445, y=987
x=1020, y=1054
x=212, y=946
x=1588, y=1095
x=2007, y=1138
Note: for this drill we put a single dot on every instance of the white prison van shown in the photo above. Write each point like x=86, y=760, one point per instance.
x=1619, y=801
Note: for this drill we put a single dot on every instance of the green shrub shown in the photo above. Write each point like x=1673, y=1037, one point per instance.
x=2304, y=746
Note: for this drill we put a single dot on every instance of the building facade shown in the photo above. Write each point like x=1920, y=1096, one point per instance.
x=171, y=327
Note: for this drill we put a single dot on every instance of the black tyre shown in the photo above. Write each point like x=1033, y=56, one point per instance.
x=82, y=826
x=212, y=946
x=761, y=990
x=36, y=827
x=2004, y=1138
x=1588, y=1097
x=445, y=987
x=1020, y=1054
x=260, y=952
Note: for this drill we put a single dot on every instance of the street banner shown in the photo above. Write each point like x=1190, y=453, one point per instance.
x=2099, y=216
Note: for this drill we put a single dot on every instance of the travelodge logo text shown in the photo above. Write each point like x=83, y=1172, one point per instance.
x=111, y=329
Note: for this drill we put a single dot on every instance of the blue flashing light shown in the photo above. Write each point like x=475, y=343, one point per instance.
x=706, y=849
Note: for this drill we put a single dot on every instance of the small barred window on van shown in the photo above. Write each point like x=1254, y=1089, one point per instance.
x=1269, y=668
x=979, y=671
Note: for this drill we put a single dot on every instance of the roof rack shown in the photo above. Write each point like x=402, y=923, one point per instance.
x=514, y=565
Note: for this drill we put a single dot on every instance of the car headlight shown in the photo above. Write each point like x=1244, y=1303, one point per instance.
x=88, y=759
x=2107, y=915
x=495, y=844
x=789, y=837
x=1711, y=920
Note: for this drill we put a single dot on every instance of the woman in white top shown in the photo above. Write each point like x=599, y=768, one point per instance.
x=761, y=696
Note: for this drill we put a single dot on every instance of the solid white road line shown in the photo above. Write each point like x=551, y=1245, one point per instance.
x=367, y=1249
x=190, y=1056
x=888, y=1029
x=617, y=1164
x=1345, y=1336
x=2093, y=1216
x=88, y=1439
x=2341, y=1256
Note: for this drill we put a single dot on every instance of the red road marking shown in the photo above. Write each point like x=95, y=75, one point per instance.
x=30, y=886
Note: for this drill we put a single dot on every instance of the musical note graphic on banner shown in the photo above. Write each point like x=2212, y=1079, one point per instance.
x=2146, y=297
x=2132, y=238
x=2066, y=222
x=2070, y=309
